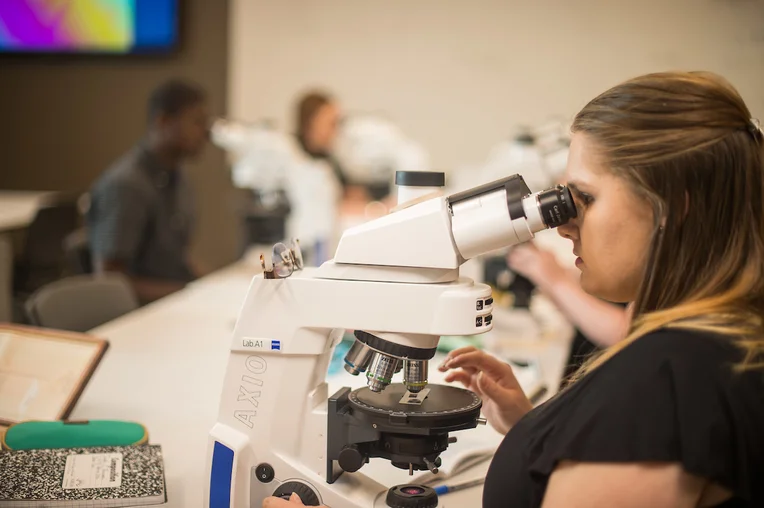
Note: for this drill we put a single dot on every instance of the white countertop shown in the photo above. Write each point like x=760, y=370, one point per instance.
x=18, y=208
x=165, y=367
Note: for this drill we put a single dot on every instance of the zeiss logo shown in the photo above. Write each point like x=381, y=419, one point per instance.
x=275, y=345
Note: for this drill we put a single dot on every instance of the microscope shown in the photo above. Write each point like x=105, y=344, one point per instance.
x=394, y=281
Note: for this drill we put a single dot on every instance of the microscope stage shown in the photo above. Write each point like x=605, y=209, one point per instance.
x=445, y=408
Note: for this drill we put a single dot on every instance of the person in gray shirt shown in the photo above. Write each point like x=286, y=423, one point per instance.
x=141, y=216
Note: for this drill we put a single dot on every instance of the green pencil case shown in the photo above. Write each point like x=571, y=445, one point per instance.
x=73, y=434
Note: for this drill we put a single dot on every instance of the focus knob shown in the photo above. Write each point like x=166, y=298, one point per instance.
x=411, y=496
x=351, y=459
x=308, y=496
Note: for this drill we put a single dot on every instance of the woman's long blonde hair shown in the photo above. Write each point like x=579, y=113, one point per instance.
x=686, y=142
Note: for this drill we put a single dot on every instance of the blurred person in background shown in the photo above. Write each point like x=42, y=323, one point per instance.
x=318, y=186
x=141, y=217
x=598, y=324
x=317, y=123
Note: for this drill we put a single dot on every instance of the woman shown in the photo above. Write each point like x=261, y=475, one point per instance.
x=317, y=120
x=317, y=184
x=668, y=177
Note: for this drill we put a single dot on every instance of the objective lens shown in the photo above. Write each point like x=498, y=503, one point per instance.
x=415, y=375
x=381, y=370
x=358, y=358
x=556, y=206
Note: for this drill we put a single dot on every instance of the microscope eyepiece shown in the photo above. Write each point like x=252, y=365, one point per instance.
x=556, y=206
x=504, y=213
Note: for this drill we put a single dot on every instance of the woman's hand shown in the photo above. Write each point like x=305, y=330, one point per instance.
x=504, y=402
x=538, y=265
x=274, y=502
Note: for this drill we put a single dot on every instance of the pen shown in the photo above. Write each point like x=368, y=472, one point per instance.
x=445, y=489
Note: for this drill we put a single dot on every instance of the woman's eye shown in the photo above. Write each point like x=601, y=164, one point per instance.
x=583, y=198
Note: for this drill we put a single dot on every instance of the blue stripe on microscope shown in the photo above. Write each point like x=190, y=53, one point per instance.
x=221, y=476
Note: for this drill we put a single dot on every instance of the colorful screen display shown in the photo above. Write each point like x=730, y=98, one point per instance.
x=87, y=26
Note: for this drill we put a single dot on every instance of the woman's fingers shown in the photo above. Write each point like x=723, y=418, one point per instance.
x=459, y=376
x=480, y=361
x=454, y=354
x=502, y=395
x=520, y=253
x=274, y=502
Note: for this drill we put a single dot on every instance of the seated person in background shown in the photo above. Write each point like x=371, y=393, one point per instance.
x=317, y=190
x=317, y=120
x=142, y=210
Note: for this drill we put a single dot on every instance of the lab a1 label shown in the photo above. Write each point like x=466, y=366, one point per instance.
x=261, y=344
x=93, y=471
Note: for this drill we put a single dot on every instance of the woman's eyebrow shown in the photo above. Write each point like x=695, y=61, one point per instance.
x=577, y=187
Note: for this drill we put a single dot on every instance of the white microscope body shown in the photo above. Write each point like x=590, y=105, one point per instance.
x=395, y=281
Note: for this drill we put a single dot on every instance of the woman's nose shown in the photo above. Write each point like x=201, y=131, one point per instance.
x=569, y=230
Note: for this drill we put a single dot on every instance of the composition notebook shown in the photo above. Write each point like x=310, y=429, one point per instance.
x=87, y=477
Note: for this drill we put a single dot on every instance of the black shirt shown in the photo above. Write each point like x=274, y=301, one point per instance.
x=670, y=396
x=142, y=214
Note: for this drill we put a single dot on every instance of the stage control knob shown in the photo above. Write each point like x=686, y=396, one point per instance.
x=351, y=459
x=411, y=496
x=308, y=496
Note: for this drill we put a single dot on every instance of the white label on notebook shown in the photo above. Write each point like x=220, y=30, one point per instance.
x=93, y=471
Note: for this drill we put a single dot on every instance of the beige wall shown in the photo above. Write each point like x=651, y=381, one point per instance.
x=458, y=75
x=64, y=119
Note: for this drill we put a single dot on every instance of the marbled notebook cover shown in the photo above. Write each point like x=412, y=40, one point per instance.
x=27, y=476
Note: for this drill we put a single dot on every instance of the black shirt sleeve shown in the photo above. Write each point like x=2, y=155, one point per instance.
x=671, y=396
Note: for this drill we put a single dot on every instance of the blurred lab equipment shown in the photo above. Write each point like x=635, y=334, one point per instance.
x=262, y=158
x=371, y=149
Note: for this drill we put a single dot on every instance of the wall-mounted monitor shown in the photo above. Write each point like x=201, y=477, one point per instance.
x=88, y=26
